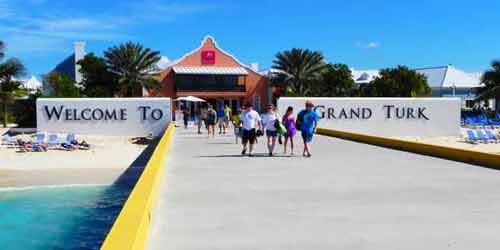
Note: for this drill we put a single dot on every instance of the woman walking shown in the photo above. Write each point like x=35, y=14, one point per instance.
x=269, y=120
x=211, y=118
x=289, y=122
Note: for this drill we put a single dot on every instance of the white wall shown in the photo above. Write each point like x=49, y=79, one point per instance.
x=125, y=116
x=439, y=116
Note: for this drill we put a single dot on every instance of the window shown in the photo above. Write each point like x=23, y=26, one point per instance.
x=208, y=83
x=469, y=103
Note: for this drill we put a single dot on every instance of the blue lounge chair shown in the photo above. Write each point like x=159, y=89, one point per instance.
x=491, y=136
x=482, y=137
x=9, y=140
x=54, y=140
x=39, y=138
x=69, y=139
x=471, y=137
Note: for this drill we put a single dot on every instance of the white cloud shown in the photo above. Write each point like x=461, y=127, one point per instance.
x=18, y=44
x=5, y=10
x=39, y=26
x=166, y=11
x=369, y=45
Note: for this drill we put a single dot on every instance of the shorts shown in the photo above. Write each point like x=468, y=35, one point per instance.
x=271, y=133
x=249, y=136
x=221, y=121
x=307, y=136
x=210, y=122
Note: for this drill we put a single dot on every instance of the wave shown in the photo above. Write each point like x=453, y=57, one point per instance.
x=10, y=189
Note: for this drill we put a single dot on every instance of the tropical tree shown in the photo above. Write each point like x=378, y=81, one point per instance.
x=303, y=66
x=61, y=85
x=335, y=80
x=2, y=50
x=398, y=82
x=491, y=88
x=97, y=80
x=131, y=63
x=9, y=87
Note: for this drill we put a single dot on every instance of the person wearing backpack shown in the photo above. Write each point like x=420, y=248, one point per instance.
x=307, y=122
x=271, y=123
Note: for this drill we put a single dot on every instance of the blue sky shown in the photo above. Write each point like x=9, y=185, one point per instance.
x=363, y=34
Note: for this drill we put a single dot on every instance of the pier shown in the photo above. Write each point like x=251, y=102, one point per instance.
x=347, y=196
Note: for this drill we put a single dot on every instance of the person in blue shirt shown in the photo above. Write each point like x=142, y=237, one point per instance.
x=221, y=116
x=307, y=122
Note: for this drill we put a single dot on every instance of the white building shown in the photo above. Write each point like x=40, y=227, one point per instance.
x=32, y=84
x=444, y=81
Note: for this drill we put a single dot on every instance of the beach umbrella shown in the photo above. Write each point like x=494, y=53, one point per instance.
x=190, y=99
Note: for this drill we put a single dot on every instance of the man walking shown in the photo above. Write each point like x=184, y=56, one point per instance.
x=307, y=122
x=221, y=116
x=250, y=120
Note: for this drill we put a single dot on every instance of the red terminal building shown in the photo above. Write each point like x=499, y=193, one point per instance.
x=210, y=73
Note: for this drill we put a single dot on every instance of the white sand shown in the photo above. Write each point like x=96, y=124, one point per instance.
x=107, y=159
x=459, y=142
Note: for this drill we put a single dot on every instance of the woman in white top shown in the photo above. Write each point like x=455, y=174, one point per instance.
x=269, y=120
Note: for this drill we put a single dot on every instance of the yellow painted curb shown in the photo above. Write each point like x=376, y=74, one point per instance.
x=463, y=155
x=131, y=228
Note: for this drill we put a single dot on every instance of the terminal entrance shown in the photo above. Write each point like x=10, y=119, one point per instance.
x=233, y=103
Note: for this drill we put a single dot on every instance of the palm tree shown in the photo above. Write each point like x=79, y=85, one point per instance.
x=10, y=88
x=491, y=88
x=132, y=63
x=303, y=66
x=2, y=50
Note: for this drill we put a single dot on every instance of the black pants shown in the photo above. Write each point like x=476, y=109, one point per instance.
x=249, y=136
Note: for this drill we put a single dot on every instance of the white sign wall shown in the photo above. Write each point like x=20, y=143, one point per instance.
x=104, y=116
x=422, y=117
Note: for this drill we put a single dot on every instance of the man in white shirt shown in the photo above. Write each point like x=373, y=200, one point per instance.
x=250, y=120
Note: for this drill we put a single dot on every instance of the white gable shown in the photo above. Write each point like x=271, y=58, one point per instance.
x=449, y=77
x=364, y=76
x=32, y=84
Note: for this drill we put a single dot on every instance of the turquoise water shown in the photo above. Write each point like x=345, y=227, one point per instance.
x=62, y=218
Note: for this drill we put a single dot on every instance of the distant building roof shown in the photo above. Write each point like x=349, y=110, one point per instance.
x=449, y=76
x=364, y=76
x=161, y=65
x=67, y=67
x=32, y=84
x=437, y=77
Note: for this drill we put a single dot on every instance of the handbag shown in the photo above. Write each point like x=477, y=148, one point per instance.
x=281, y=129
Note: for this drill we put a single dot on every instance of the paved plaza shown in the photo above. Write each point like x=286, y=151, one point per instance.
x=347, y=196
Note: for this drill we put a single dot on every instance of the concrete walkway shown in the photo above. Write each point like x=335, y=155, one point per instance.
x=347, y=196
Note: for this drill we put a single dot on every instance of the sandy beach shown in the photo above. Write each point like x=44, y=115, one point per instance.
x=108, y=158
x=459, y=142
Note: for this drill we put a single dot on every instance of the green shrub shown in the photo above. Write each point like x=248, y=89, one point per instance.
x=10, y=117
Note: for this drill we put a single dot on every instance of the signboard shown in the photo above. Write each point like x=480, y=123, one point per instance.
x=104, y=116
x=421, y=117
x=208, y=57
